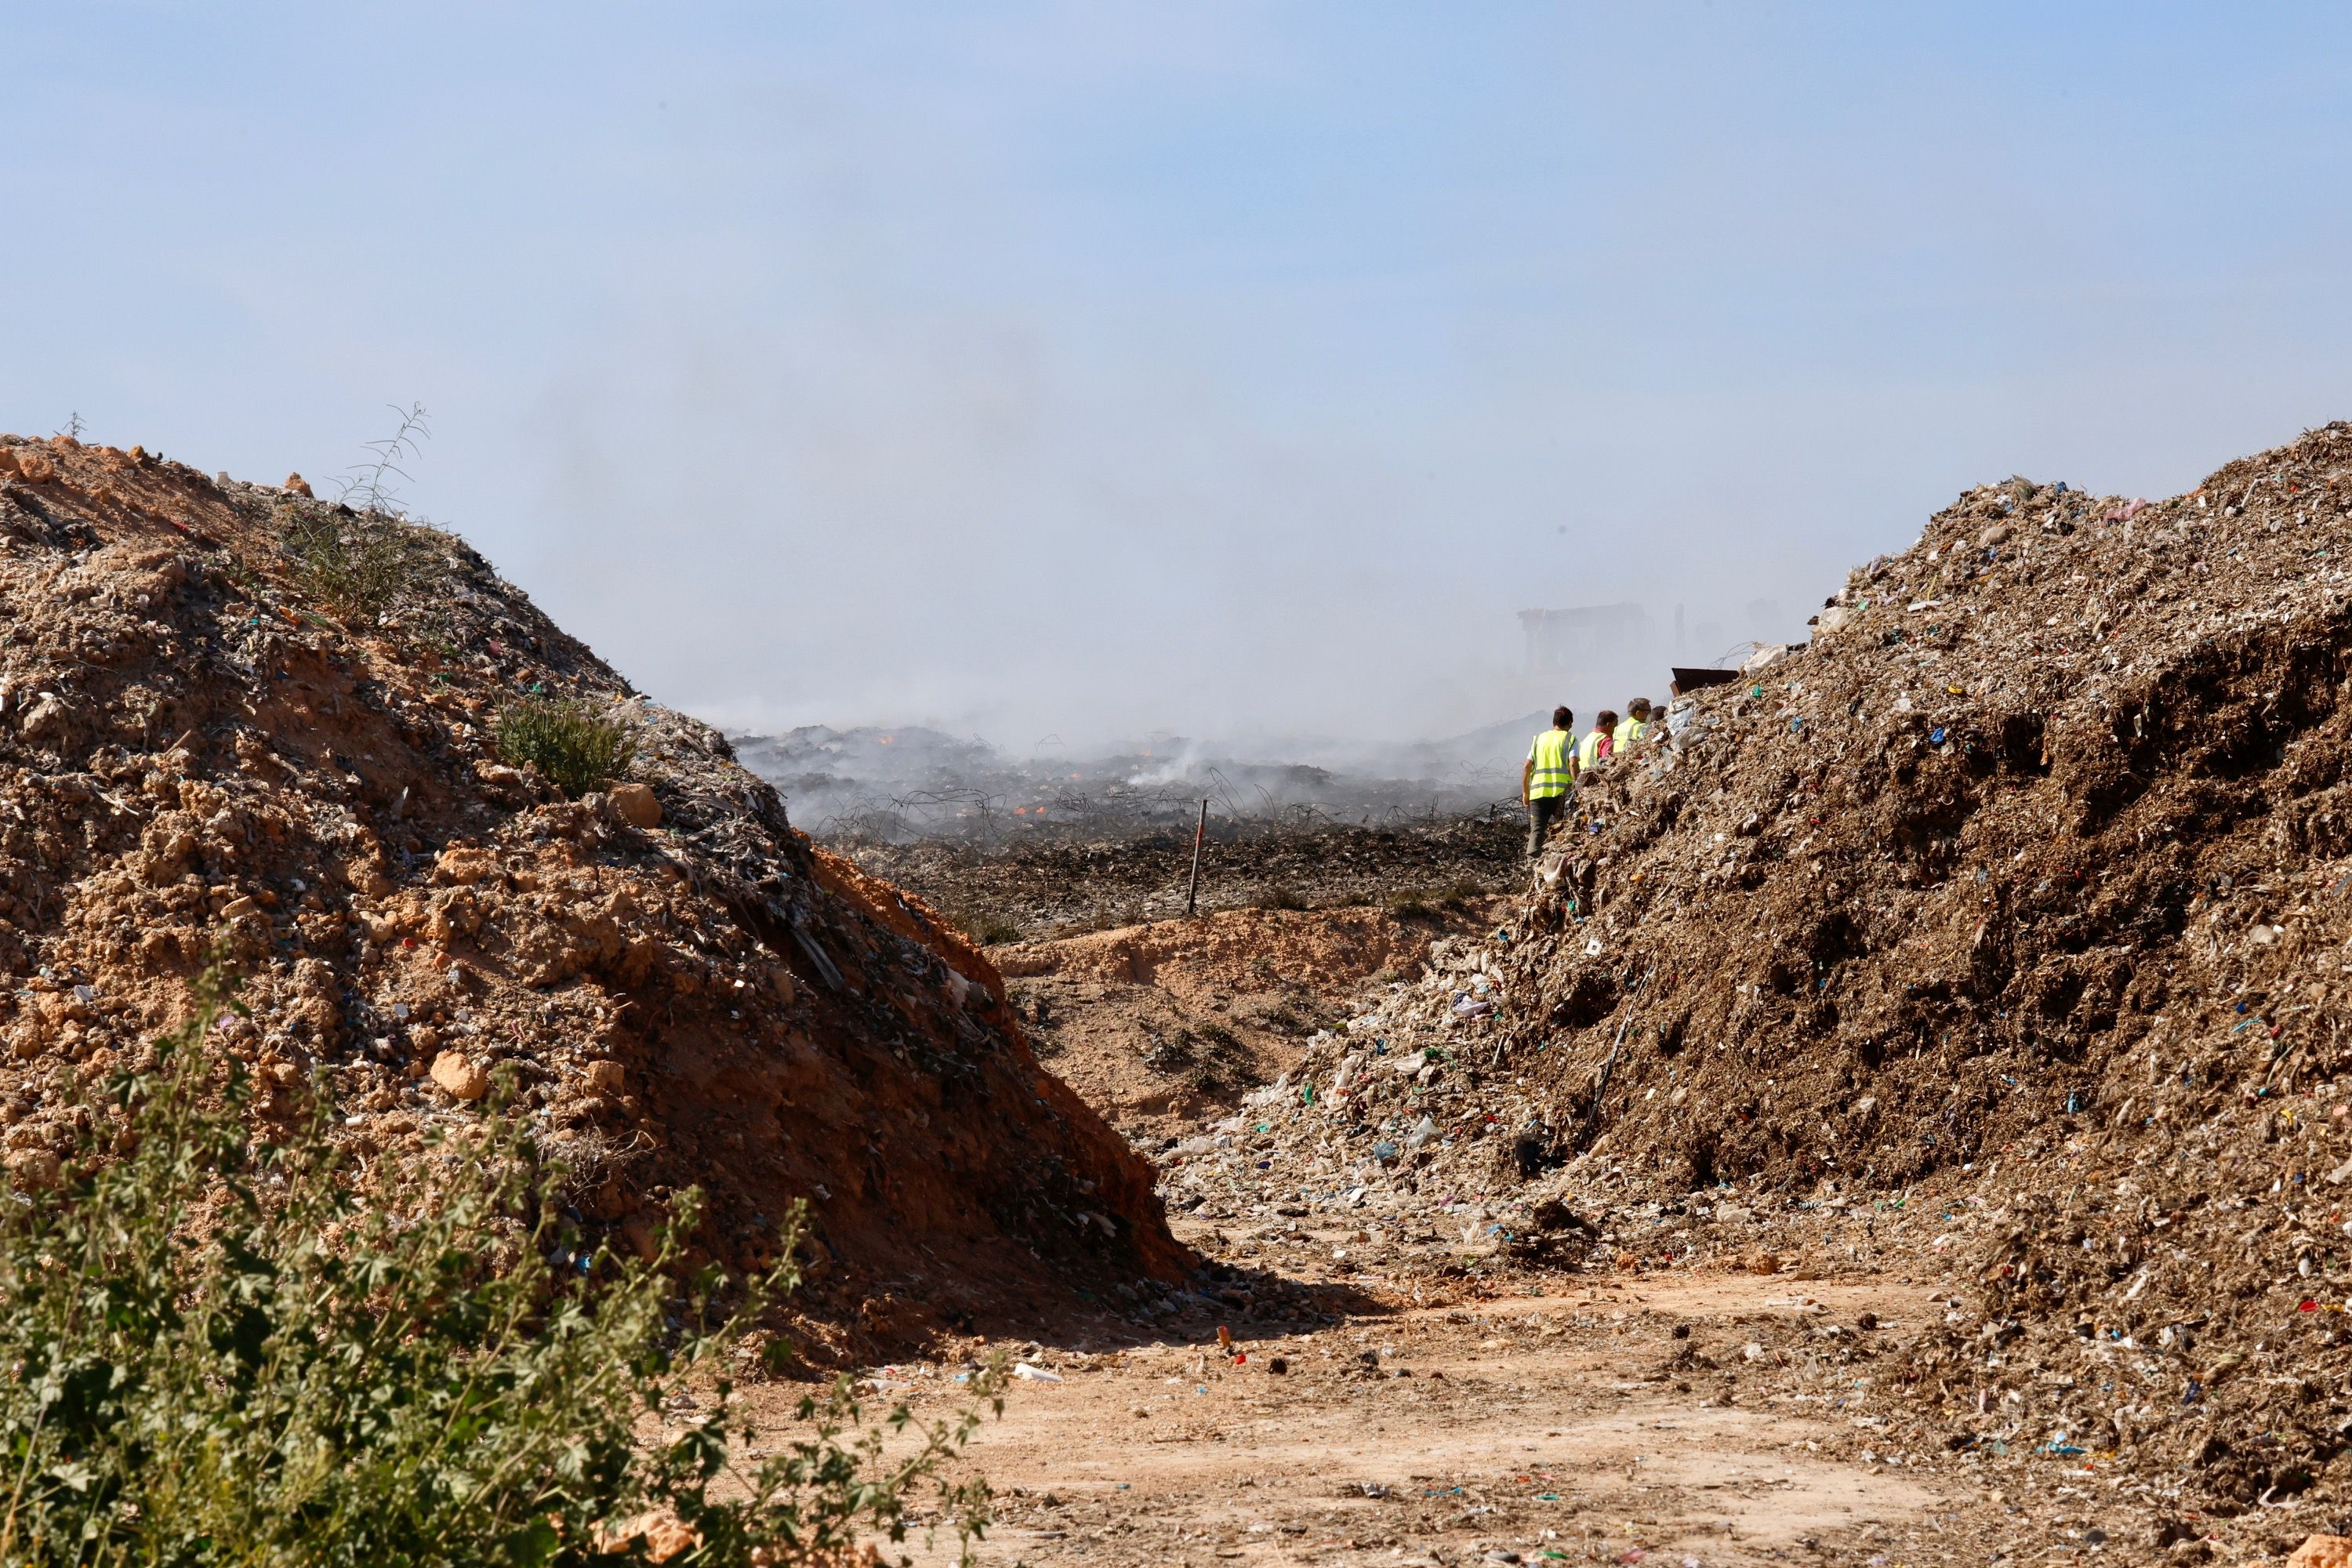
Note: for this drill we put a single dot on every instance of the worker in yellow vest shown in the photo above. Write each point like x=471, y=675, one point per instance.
x=1632, y=728
x=1596, y=747
x=1549, y=775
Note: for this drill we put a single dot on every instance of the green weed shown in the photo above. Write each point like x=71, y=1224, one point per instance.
x=570, y=746
x=1433, y=903
x=361, y=565
x=982, y=925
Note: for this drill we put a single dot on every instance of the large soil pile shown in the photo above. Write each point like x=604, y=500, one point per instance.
x=203, y=743
x=2029, y=877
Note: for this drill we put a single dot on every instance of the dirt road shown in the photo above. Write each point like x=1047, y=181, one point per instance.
x=1574, y=1427
x=1466, y=1376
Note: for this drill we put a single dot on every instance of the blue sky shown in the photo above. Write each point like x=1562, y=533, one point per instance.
x=1236, y=370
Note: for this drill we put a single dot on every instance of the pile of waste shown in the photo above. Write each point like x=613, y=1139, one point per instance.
x=1161, y=1026
x=2026, y=880
x=1400, y=1127
x=1997, y=936
x=237, y=721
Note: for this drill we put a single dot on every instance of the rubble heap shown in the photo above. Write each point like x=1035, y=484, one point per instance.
x=1398, y=1126
x=2028, y=875
x=1997, y=936
x=205, y=747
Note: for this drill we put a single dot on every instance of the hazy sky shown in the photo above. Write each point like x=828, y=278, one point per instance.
x=1093, y=370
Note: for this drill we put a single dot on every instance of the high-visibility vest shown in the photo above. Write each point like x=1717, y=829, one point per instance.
x=1591, y=750
x=1553, y=776
x=1628, y=731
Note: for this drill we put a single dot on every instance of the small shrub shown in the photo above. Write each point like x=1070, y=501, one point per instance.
x=1433, y=903
x=984, y=926
x=1285, y=1018
x=1222, y=1038
x=359, y=565
x=1280, y=899
x=569, y=746
x=216, y=1354
x=1413, y=904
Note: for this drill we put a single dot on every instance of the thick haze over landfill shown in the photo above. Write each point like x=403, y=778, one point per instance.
x=1088, y=373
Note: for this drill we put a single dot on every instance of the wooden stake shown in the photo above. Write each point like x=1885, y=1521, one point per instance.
x=1192, y=893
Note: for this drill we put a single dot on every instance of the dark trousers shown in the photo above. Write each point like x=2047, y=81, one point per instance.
x=1543, y=814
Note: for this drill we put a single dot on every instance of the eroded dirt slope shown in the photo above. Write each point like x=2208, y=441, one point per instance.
x=1157, y=1026
x=201, y=749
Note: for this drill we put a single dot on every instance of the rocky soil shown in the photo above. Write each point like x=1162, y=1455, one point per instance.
x=205, y=749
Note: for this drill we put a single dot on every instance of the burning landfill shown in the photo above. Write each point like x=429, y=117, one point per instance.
x=1992, y=944
x=1015, y=850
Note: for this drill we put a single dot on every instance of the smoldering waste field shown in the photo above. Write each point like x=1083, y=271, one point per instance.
x=1970, y=1150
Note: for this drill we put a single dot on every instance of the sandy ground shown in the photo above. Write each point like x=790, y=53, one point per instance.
x=1557, y=1427
x=1399, y=1392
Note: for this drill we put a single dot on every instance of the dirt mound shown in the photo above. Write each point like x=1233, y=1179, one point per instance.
x=2029, y=875
x=234, y=716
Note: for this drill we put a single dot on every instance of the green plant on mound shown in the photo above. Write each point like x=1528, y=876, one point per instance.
x=1433, y=903
x=212, y=1351
x=565, y=741
x=360, y=565
x=984, y=926
x=363, y=557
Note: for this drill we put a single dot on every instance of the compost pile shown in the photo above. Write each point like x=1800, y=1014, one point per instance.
x=237, y=719
x=2027, y=880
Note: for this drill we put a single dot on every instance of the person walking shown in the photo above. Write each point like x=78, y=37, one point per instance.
x=1597, y=746
x=1635, y=726
x=1545, y=780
